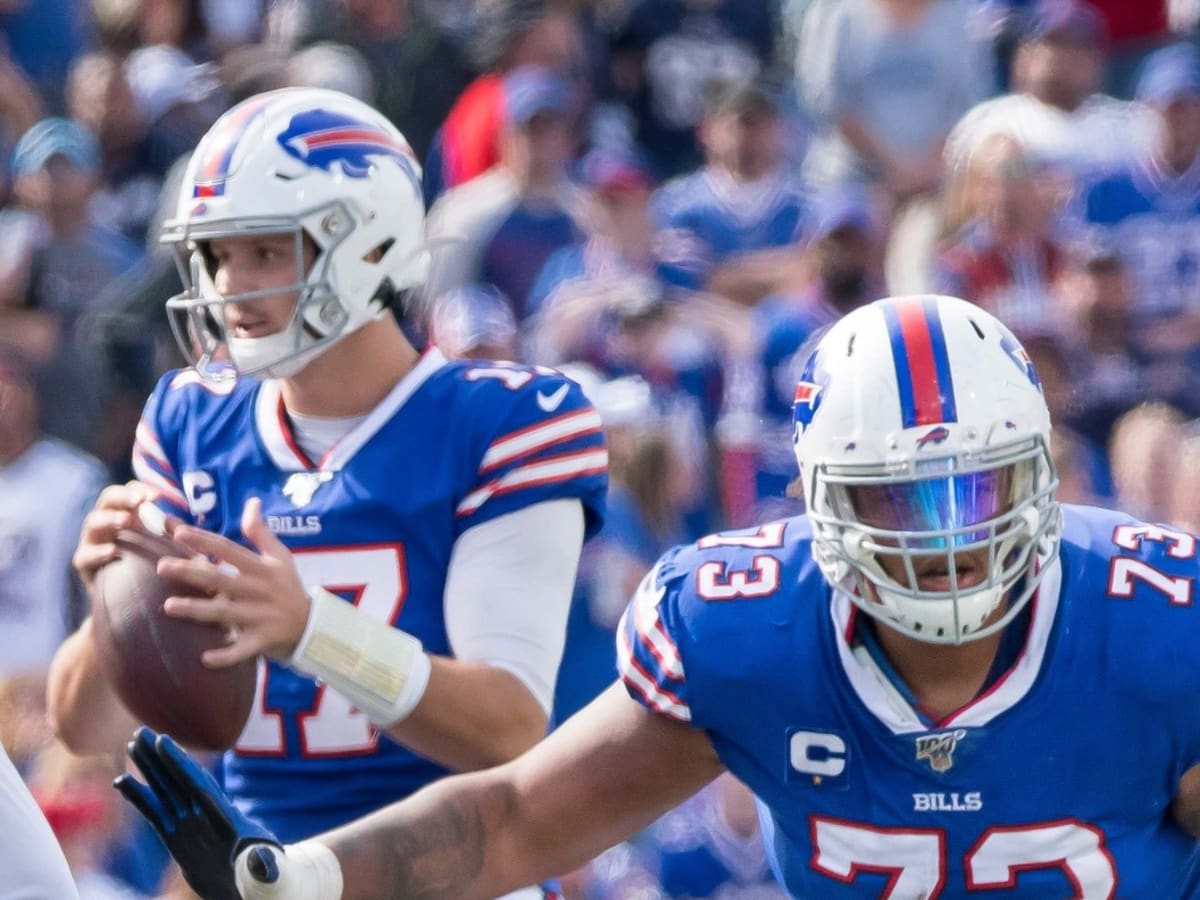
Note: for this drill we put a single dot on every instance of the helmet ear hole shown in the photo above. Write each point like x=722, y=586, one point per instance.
x=378, y=252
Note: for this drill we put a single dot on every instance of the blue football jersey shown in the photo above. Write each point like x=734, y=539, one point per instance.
x=1152, y=221
x=706, y=218
x=1054, y=782
x=453, y=445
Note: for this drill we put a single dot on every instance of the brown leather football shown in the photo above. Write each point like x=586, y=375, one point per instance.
x=153, y=660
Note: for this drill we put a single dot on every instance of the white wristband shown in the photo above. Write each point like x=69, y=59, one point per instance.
x=384, y=671
x=305, y=871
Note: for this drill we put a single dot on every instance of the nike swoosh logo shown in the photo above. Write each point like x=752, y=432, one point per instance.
x=551, y=402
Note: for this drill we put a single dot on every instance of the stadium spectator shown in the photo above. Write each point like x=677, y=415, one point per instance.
x=1006, y=256
x=501, y=227
x=620, y=240
x=1109, y=377
x=47, y=487
x=56, y=274
x=99, y=97
x=416, y=71
x=1149, y=212
x=665, y=57
x=42, y=39
x=510, y=34
x=1055, y=110
x=887, y=80
x=841, y=270
x=731, y=226
x=1145, y=444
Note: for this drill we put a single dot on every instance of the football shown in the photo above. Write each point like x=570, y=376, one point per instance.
x=153, y=660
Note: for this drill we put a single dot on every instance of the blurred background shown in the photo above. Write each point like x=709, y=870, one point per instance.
x=664, y=198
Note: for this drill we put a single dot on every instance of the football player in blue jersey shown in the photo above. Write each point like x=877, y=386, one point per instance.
x=312, y=456
x=938, y=681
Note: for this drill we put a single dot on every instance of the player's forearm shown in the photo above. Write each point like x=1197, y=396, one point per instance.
x=82, y=706
x=472, y=716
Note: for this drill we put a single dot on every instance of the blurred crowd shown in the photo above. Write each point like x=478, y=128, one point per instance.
x=663, y=198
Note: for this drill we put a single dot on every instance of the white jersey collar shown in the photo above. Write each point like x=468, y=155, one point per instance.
x=887, y=704
x=270, y=418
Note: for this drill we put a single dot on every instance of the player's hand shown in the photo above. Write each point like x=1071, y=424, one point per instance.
x=116, y=509
x=201, y=828
x=256, y=592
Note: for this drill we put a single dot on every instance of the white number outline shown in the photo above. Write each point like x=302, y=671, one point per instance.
x=1123, y=571
x=332, y=727
x=917, y=861
x=715, y=581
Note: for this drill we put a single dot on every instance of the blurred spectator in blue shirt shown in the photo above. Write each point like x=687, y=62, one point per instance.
x=729, y=227
x=619, y=240
x=501, y=227
x=53, y=279
x=843, y=269
x=1149, y=211
x=43, y=37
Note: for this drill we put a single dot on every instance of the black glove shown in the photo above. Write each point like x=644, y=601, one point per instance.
x=200, y=826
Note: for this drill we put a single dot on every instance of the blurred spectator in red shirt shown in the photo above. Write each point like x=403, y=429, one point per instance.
x=1005, y=257
x=511, y=34
x=1135, y=30
x=501, y=227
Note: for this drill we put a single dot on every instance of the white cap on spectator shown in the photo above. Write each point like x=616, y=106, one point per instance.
x=162, y=77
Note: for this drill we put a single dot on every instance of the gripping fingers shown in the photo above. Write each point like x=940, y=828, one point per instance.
x=204, y=576
x=245, y=647
x=218, y=610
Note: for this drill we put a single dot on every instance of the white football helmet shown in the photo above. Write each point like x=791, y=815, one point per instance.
x=923, y=443
x=300, y=161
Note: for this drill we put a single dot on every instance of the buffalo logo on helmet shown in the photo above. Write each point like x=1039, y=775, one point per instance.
x=324, y=139
x=1021, y=358
x=933, y=436
x=809, y=391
